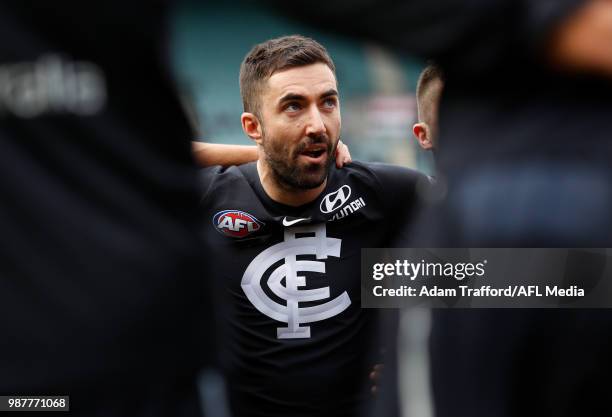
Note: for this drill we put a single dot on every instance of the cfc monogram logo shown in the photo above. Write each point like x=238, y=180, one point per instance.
x=313, y=240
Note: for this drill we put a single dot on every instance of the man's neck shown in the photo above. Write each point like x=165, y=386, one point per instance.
x=285, y=195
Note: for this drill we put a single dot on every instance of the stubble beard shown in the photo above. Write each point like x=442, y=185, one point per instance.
x=289, y=174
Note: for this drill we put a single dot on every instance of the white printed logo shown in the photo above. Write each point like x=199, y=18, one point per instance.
x=288, y=223
x=333, y=201
x=316, y=243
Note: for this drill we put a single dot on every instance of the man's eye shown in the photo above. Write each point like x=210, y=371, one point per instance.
x=330, y=102
x=292, y=107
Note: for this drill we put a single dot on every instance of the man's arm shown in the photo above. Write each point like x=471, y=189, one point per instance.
x=208, y=154
x=584, y=41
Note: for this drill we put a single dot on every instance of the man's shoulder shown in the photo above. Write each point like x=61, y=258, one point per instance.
x=392, y=185
x=217, y=176
x=377, y=172
x=218, y=172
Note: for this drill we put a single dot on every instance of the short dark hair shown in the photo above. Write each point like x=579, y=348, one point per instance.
x=428, y=77
x=277, y=55
x=431, y=73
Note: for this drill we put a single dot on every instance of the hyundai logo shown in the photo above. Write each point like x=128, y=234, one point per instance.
x=333, y=201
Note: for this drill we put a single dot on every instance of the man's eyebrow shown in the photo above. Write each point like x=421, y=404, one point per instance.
x=329, y=93
x=298, y=97
x=291, y=97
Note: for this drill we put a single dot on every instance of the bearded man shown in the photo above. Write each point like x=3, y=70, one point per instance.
x=286, y=235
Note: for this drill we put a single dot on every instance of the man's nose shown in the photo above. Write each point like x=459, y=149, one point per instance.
x=315, y=125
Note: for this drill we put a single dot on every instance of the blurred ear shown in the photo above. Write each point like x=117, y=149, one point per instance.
x=422, y=133
x=252, y=127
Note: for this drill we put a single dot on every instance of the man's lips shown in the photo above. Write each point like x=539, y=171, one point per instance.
x=314, y=153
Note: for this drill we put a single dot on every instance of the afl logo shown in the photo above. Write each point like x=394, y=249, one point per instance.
x=236, y=223
x=333, y=201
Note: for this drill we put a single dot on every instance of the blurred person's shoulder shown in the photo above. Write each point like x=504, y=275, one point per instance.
x=223, y=178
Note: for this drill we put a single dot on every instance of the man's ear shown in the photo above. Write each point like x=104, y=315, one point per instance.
x=422, y=133
x=251, y=126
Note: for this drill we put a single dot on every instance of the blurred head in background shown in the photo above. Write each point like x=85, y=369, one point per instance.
x=291, y=110
x=429, y=92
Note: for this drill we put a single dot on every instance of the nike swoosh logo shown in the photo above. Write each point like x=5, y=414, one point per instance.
x=288, y=223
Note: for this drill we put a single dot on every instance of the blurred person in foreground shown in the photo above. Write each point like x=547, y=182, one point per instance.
x=103, y=294
x=517, y=74
x=287, y=233
x=524, y=151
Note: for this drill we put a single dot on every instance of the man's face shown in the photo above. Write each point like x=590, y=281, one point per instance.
x=300, y=118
